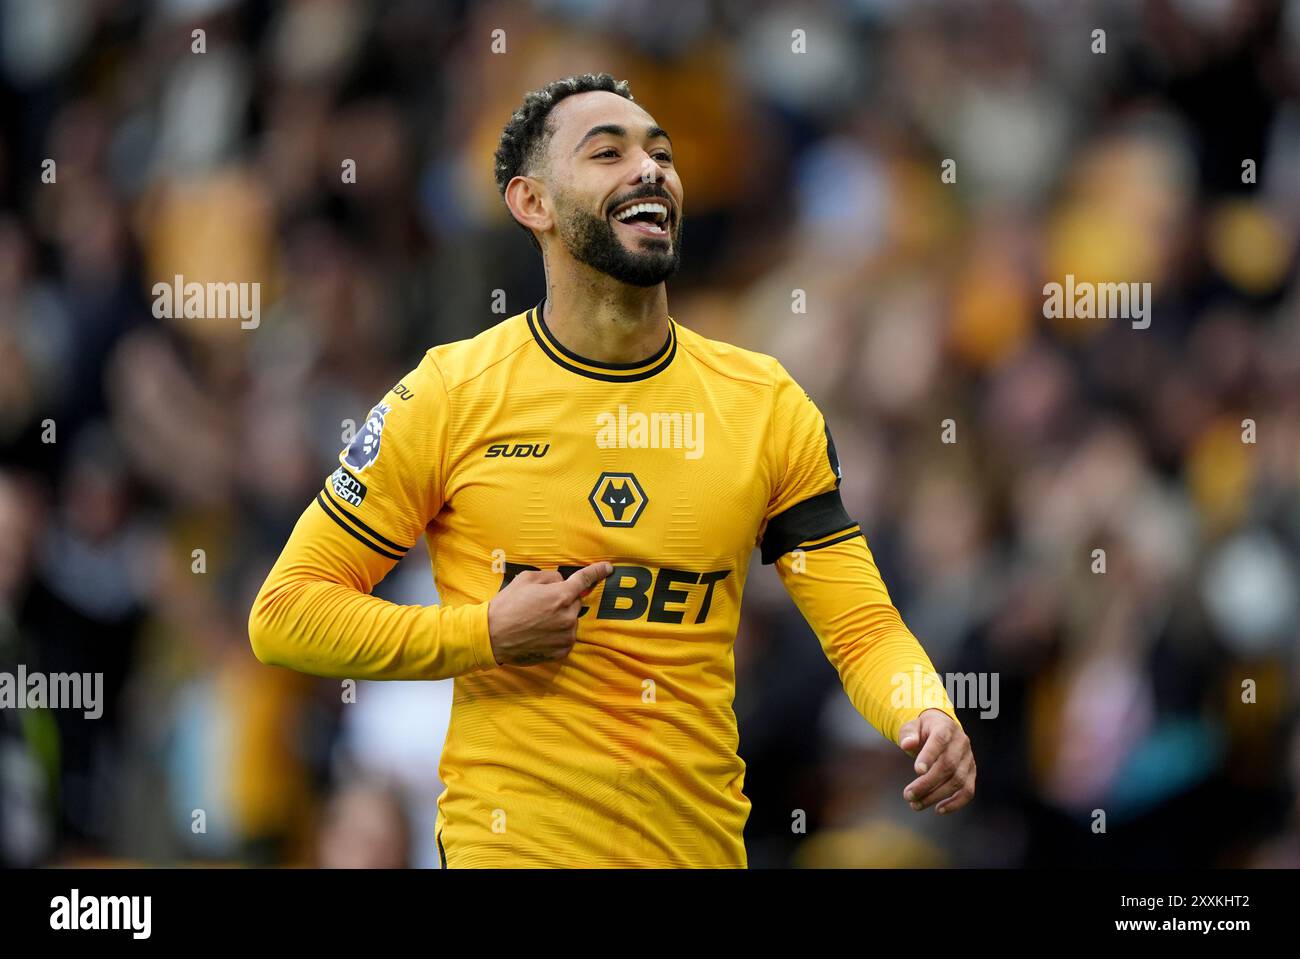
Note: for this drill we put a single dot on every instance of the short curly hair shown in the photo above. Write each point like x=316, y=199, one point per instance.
x=525, y=138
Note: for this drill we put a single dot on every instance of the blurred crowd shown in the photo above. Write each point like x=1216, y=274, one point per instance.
x=151, y=468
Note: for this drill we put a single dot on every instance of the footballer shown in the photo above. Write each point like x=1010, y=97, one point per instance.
x=591, y=478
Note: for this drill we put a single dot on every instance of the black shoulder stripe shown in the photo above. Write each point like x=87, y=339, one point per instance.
x=362, y=526
x=814, y=518
x=351, y=532
x=832, y=455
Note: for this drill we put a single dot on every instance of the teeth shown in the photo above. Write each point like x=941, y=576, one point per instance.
x=657, y=208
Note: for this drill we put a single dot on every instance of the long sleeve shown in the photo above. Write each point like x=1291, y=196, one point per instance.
x=315, y=613
x=885, y=671
x=824, y=563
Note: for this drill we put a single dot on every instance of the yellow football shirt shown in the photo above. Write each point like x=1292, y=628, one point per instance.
x=509, y=452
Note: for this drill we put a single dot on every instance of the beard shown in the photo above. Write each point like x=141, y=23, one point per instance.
x=592, y=240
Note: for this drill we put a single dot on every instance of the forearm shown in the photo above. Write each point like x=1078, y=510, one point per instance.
x=314, y=614
x=884, y=669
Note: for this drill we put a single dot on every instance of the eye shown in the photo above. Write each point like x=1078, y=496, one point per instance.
x=608, y=151
x=665, y=156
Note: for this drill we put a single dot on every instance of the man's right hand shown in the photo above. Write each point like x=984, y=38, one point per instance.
x=535, y=618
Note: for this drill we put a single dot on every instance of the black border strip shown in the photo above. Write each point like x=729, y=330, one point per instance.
x=1073, y=890
x=351, y=532
x=362, y=526
x=546, y=339
x=818, y=516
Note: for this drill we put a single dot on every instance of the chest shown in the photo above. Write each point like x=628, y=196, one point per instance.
x=671, y=480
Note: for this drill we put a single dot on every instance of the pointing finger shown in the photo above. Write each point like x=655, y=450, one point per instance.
x=581, y=582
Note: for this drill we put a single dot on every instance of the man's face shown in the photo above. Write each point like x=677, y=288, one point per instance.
x=607, y=156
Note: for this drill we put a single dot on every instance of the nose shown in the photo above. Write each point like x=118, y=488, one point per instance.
x=649, y=171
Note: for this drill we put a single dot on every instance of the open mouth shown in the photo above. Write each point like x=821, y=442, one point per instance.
x=646, y=217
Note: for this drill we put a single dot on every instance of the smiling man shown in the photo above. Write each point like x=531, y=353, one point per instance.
x=591, y=478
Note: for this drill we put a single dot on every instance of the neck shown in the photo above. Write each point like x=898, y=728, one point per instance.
x=602, y=319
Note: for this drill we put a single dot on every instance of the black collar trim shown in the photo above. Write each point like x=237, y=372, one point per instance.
x=595, y=369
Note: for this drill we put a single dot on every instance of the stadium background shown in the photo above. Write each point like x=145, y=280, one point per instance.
x=817, y=172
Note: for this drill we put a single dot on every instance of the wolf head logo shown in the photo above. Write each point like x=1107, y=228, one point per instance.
x=618, y=499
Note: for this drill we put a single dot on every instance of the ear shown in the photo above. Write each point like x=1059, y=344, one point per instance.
x=527, y=200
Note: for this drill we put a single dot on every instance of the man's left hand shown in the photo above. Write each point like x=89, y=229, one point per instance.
x=944, y=762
